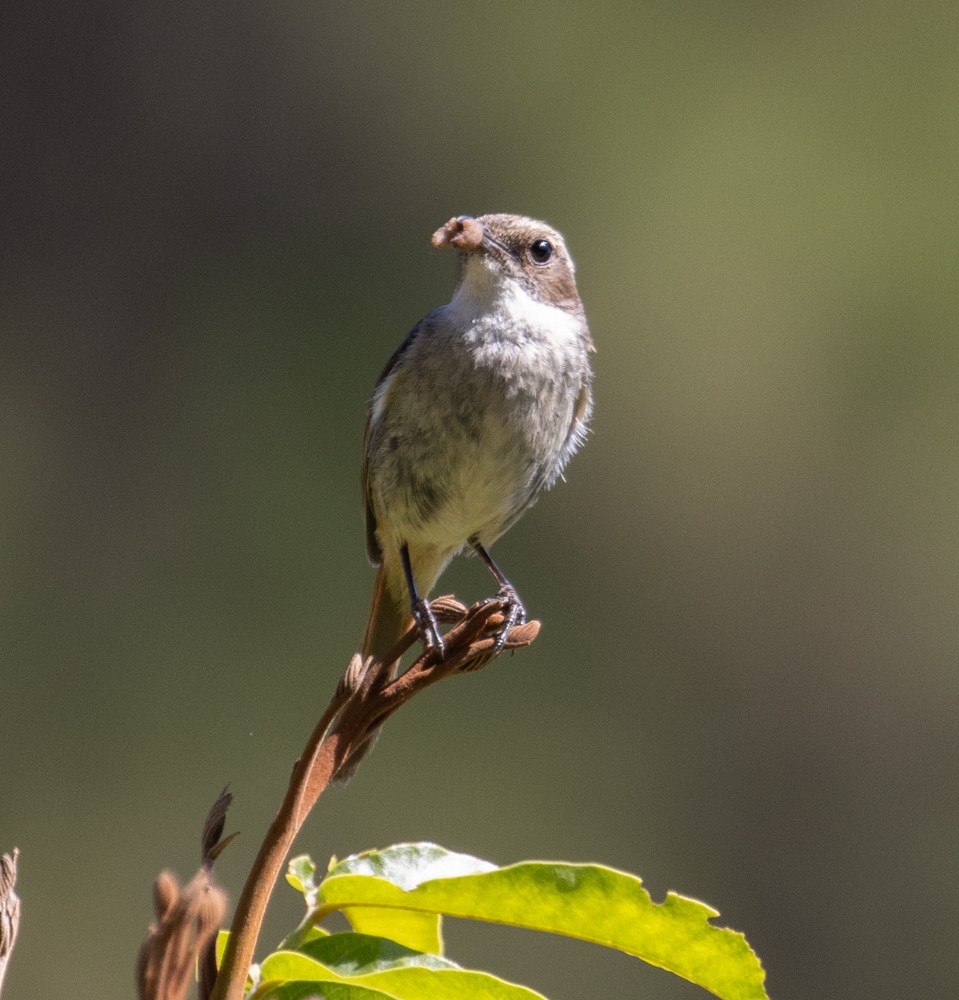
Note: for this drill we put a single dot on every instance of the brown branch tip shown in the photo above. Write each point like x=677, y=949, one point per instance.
x=9, y=909
x=183, y=937
x=368, y=696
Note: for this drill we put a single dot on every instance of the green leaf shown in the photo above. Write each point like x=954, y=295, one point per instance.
x=313, y=933
x=410, y=982
x=419, y=930
x=320, y=991
x=301, y=874
x=222, y=937
x=406, y=865
x=589, y=902
x=360, y=954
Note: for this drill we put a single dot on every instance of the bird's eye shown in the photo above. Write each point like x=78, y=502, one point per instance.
x=540, y=251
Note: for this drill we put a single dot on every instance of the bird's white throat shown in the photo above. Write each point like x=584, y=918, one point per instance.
x=487, y=297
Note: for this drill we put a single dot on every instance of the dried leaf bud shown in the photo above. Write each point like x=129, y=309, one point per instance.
x=448, y=609
x=166, y=894
x=213, y=827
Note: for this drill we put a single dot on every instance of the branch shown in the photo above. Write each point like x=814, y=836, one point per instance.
x=364, y=699
x=9, y=909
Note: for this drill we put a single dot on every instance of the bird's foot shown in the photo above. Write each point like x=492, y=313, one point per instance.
x=514, y=613
x=429, y=628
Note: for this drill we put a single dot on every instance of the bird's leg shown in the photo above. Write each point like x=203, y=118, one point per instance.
x=515, y=613
x=421, y=611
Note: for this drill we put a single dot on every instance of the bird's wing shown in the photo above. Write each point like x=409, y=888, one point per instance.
x=379, y=400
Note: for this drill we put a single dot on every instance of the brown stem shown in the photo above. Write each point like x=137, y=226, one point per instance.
x=311, y=775
x=362, y=703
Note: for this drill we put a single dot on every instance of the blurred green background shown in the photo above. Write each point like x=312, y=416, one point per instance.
x=215, y=229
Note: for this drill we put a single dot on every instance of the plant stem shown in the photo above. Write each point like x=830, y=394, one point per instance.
x=310, y=777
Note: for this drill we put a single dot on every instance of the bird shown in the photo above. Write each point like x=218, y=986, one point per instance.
x=475, y=414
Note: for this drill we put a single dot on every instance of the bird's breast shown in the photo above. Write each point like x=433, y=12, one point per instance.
x=471, y=424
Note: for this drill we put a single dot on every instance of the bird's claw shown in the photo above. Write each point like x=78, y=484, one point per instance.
x=429, y=628
x=514, y=613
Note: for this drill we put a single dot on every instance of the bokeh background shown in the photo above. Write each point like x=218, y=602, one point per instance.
x=215, y=229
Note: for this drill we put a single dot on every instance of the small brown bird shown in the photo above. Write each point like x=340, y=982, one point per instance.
x=476, y=413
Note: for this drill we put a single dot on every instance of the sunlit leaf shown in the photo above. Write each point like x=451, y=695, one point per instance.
x=407, y=865
x=410, y=982
x=360, y=954
x=320, y=990
x=301, y=874
x=420, y=930
x=589, y=902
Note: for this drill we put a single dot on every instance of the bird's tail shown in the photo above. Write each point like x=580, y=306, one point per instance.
x=388, y=621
